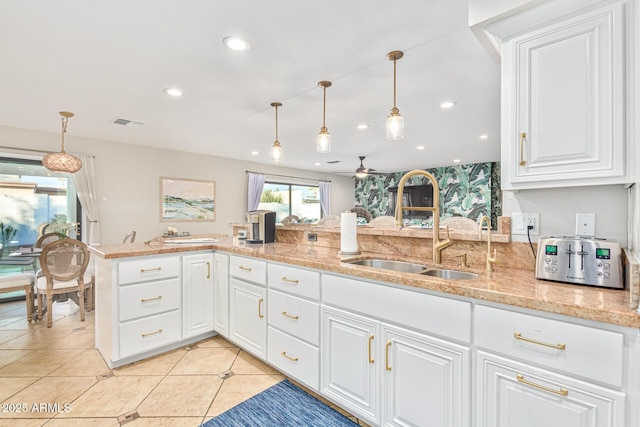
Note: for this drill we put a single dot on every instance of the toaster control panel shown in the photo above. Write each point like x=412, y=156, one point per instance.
x=595, y=262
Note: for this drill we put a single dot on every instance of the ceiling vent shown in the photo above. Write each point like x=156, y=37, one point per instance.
x=127, y=122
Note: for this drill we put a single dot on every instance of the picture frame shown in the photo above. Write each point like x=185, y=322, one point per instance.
x=187, y=200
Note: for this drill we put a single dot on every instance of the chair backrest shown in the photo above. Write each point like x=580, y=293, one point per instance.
x=64, y=260
x=291, y=219
x=384, y=221
x=129, y=237
x=329, y=220
x=362, y=213
x=460, y=223
x=46, y=238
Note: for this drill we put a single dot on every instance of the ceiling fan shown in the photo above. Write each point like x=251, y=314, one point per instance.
x=362, y=172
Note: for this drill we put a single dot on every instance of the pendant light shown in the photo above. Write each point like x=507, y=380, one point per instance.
x=276, y=149
x=62, y=162
x=395, y=122
x=324, y=138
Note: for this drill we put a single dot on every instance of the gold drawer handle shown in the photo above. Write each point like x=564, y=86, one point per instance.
x=561, y=392
x=144, y=270
x=159, y=297
x=260, y=315
x=208, y=270
x=386, y=360
x=369, y=349
x=523, y=135
x=285, y=314
x=244, y=268
x=294, y=281
x=293, y=359
x=159, y=331
x=559, y=346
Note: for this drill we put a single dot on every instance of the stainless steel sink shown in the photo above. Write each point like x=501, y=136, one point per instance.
x=449, y=274
x=406, y=267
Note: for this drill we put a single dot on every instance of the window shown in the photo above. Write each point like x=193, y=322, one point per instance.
x=35, y=201
x=291, y=199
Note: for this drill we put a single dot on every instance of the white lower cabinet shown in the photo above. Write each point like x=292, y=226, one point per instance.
x=247, y=316
x=515, y=394
x=221, y=294
x=392, y=376
x=197, y=294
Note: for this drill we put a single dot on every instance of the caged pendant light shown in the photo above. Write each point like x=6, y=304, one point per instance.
x=276, y=148
x=324, y=138
x=395, y=122
x=62, y=162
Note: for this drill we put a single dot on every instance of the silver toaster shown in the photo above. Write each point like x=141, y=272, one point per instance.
x=582, y=260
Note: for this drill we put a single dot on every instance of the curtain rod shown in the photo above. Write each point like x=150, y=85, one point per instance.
x=30, y=150
x=288, y=176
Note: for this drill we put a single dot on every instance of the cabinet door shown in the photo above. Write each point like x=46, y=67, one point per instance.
x=197, y=294
x=221, y=294
x=426, y=381
x=350, y=362
x=247, y=316
x=563, y=102
x=514, y=394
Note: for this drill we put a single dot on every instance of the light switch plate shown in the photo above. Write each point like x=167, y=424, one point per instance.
x=520, y=222
x=586, y=224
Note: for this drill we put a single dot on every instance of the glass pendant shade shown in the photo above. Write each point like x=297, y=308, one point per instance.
x=395, y=126
x=324, y=141
x=62, y=161
x=276, y=149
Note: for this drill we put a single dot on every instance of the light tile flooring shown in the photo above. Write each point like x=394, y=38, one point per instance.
x=55, y=377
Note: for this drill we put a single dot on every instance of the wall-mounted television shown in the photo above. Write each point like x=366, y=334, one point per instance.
x=414, y=196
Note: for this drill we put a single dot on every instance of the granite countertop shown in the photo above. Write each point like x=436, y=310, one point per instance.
x=506, y=286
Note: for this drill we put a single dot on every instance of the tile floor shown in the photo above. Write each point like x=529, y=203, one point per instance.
x=55, y=377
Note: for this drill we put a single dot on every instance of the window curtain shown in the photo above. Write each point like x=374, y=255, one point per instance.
x=256, y=184
x=325, y=197
x=85, y=182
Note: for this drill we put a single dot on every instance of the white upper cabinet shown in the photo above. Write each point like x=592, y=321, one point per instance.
x=563, y=96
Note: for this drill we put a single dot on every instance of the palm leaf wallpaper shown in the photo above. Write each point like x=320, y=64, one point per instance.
x=465, y=190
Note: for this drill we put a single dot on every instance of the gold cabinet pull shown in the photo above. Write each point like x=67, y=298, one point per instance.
x=559, y=346
x=561, y=392
x=208, y=269
x=260, y=315
x=244, y=268
x=523, y=135
x=369, y=349
x=386, y=358
x=159, y=297
x=159, y=331
x=285, y=314
x=293, y=359
x=144, y=270
x=294, y=281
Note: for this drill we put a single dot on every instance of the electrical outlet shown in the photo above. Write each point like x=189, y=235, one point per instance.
x=312, y=237
x=521, y=221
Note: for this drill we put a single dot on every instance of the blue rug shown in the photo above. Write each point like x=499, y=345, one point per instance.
x=284, y=404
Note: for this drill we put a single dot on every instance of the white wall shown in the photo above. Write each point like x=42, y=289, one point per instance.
x=558, y=208
x=128, y=178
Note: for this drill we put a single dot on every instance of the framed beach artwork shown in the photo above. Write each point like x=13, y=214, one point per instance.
x=187, y=200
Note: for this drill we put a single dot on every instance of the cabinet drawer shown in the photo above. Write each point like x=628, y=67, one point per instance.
x=295, y=281
x=147, y=299
x=581, y=350
x=429, y=313
x=294, y=357
x=148, y=333
x=295, y=316
x=248, y=269
x=142, y=270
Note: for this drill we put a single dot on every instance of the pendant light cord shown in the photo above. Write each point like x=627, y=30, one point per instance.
x=64, y=130
x=276, y=122
x=394, y=83
x=324, y=106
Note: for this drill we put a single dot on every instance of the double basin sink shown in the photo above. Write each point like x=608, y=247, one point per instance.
x=409, y=267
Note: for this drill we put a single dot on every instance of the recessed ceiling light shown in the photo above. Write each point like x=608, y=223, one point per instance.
x=448, y=104
x=173, y=91
x=363, y=126
x=456, y=160
x=484, y=136
x=254, y=153
x=235, y=43
x=420, y=147
x=317, y=164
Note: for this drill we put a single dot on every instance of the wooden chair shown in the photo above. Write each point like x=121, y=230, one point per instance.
x=19, y=282
x=64, y=264
x=129, y=237
x=46, y=238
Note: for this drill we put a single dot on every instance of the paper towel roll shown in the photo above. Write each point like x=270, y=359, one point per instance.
x=348, y=233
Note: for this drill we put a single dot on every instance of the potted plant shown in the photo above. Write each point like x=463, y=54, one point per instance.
x=7, y=233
